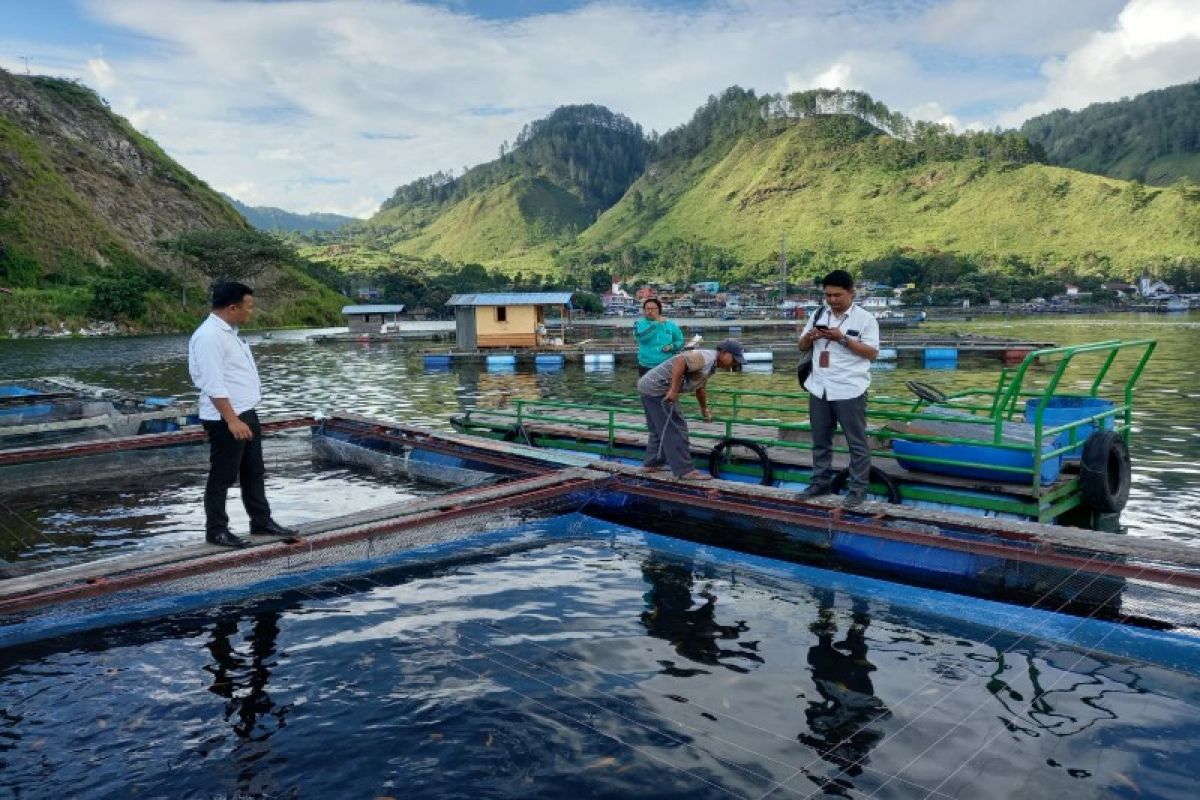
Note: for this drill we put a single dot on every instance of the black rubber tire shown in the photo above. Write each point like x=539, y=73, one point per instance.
x=764, y=460
x=930, y=394
x=876, y=476
x=1105, y=472
x=519, y=434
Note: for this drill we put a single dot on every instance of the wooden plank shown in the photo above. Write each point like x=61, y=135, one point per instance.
x=20, y=585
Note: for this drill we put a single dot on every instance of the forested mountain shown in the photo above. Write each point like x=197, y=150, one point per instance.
x=269, y=218
x=1153, y=138
x=90, y=209
x=839, y=177
x=561, y=172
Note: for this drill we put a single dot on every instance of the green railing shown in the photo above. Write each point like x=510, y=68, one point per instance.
x=775, y=419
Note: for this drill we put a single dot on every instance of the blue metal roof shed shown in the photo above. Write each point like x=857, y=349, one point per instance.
x=371, y=319
x=511, y=299
x=381, y=309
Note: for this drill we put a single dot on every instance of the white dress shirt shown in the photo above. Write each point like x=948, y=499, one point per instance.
x=848, y=375
x=221, y=366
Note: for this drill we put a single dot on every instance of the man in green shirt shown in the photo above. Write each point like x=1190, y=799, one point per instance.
x=658, y=339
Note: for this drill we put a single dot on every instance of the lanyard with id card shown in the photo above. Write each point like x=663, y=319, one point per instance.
x=823, y=358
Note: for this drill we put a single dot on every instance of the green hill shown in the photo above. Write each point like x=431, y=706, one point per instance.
x=1153, y=138
x=836, y=175
x=841, y=191
x=86, y=205
x=558, y=176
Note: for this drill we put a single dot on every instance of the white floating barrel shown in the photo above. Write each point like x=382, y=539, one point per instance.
x=887, y=354
x=598, y=358
x=759, y=356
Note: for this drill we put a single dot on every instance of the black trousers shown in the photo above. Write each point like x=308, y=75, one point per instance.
x=232, y=461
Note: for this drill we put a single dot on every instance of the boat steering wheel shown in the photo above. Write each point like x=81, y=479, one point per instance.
x=930, y=394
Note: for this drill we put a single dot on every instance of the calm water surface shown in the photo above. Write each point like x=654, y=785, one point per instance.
x=595, y=662
x=388, y=380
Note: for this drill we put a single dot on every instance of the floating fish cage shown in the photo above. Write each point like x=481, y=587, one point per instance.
x=45, y=410
x=1099, y=574
x=1021, y=449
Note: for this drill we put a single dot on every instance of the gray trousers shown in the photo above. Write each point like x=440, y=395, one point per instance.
x=668, y=442
x=852, y=416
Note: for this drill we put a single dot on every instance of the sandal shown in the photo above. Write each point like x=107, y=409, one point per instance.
x=656, y=468
x=696, y=475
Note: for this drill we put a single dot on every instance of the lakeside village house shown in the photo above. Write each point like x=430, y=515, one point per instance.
x=508, y=319
x=372, y=318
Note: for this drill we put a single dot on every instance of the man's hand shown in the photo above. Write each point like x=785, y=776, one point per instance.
x=240, y=430
x=707, y=412
x=670, y=397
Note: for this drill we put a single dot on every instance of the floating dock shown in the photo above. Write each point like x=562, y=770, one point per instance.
x=1117, y=577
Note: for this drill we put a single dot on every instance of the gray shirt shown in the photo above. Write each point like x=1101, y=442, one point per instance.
x=701, y=364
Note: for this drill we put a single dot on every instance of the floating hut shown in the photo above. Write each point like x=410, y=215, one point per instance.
x=371, y=318
x=506, y=320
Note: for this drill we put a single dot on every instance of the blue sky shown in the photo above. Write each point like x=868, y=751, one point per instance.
x=328, y=105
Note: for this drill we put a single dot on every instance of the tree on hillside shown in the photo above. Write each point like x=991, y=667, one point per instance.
x=231, y=253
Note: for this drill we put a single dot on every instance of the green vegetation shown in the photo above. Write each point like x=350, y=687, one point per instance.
x=86, y=205
x=1153, y=138
x=836, y=175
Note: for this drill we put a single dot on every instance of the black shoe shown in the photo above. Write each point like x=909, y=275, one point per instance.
x=854, y=498
x=815, y=490
x=272, y=528
x=224, y=538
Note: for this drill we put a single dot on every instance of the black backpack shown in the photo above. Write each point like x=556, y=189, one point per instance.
x=804, y=368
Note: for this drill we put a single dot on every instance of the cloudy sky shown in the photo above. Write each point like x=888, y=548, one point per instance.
x=328, y=105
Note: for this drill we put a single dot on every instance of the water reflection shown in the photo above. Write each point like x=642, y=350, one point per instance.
x=242, y=679
x=672, y=614
x=843, y=725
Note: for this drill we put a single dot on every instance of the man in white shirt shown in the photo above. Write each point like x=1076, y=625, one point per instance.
x=844, y=338
x=223, y=370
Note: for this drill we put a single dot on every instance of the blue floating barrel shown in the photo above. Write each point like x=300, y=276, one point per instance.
x=437, y=360
x=941, y=358
x=759, y=356
x=548, y=362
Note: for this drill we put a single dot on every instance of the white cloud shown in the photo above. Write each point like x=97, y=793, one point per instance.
x=933, y=112
x=330, y=104
x=102, y=73
x=1155, y=43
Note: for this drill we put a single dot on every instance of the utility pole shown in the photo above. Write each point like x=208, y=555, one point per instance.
x=26, y=60
x=783, y=267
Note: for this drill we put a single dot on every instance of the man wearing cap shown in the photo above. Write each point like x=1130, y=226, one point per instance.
x=844, y=338
x=667, y=446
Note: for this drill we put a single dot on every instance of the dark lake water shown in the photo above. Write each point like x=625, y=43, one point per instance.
x=595, y=661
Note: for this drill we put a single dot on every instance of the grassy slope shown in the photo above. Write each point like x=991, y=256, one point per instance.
x=45, y=218
x=42, y=216
x=838, y=200
x=508, y=225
